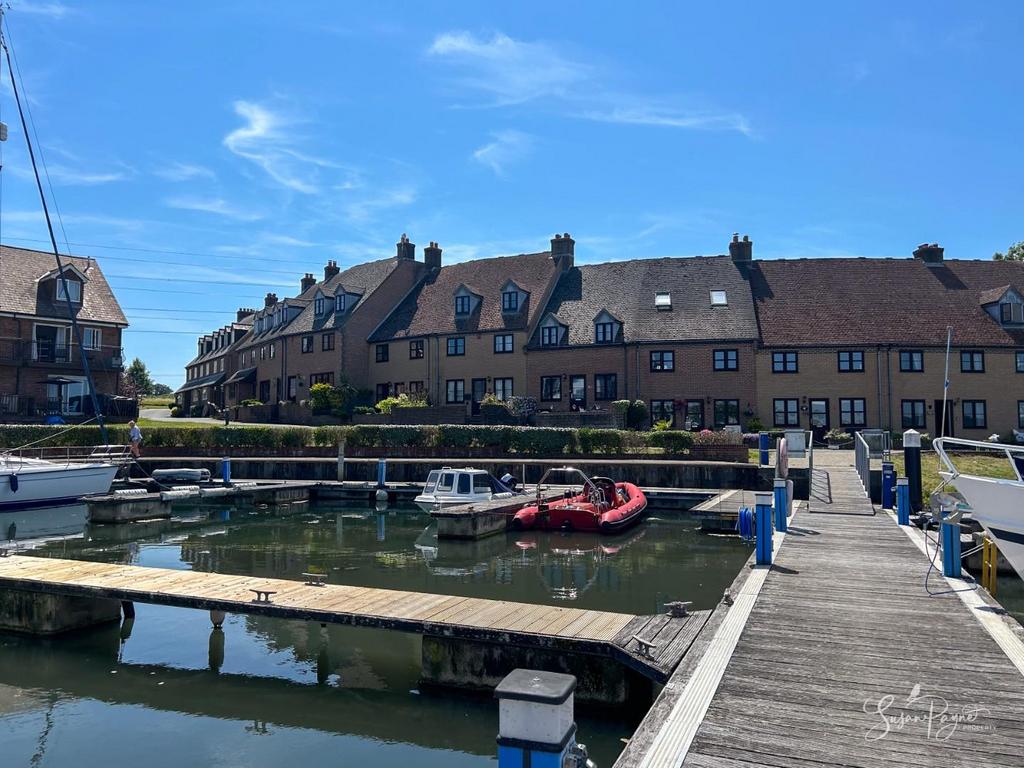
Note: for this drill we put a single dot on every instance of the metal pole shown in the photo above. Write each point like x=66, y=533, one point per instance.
x=945, y=381
x=912, y=466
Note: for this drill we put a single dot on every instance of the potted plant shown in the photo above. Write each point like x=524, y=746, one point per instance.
x=836, y=437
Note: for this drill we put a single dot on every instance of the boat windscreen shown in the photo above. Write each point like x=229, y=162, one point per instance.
x=431, y=482
x=464, y=483
x=483, y=483
x=447, y=482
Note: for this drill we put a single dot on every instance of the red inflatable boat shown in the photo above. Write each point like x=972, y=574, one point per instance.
x=599, y=505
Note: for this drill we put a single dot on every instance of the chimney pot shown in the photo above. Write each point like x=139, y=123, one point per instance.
x=741, y=250
x=406, y=249
x=307, y=282
x=929, y=253
x=563, y=249
x=270, y=300
x=331, y=269
x=432, y=256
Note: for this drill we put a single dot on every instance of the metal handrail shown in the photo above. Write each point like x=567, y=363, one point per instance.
x=862, y=457
x=1008, y=451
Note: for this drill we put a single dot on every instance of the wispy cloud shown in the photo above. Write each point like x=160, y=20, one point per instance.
x=507, y=147
x=178, y=171
x=267, y=139
x=361, y=210
x=214, y=205
x=49, y=10
x=71, y=176
x=504, y=72
x=510, y=71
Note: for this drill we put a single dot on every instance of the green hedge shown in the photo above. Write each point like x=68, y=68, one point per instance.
x=527, y=441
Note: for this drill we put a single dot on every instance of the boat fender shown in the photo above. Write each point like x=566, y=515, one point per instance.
x=14, y=483
x=567, y=526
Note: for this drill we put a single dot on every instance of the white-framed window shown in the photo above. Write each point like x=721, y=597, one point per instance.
x=663, y=300
x=339, y=302
x=719, y=299
x=550, y=335
x=462, y=305
x=503, y=389
x=71, y=288
x=510, y=301
x=318, y=305
x=92, y=338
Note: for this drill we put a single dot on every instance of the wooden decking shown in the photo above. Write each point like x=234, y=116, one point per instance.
x=838, y=656
x=553, y=627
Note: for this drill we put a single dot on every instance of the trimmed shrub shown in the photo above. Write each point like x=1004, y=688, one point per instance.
x=671, y=440
x=637, y=415
x=543, y=440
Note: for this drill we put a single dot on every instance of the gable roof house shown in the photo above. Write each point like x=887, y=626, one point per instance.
x=41, y=369
x=320, y=334
x=887, y=320
x=461, y=331
x=647, y=329
x=214, y=364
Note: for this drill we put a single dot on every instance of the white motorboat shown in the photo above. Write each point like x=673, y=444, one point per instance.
x=28, y=482
x=997, y=503
x=447, y=487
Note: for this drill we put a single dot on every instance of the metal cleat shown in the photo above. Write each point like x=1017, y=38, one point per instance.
x=679, y=608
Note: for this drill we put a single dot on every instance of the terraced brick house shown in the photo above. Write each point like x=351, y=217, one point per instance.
x=855, y=343
x=461, y=332
x=41, y=370
x=678, y=333
x=208, y=375
x=319, y=336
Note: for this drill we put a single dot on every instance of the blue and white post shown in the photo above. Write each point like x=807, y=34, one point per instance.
x=781, y=505
x=888, y=485
x=225, y=470
x=381, y=496
x=535, y=719
x=763, y=527
x=912, y=466
x=950, y=544
x=763, y=441
x=903, y=501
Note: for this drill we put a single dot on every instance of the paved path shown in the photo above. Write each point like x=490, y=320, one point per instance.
x=843, y=658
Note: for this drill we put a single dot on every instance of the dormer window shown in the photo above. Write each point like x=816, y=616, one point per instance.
x=318, y=305
x=550, y=335
x=604, y=332
x=663, y=301
x=510, y=301
x=718, y=299
x=66, y=288
x=462, y=305
x=339, y=302
x=1010, y=313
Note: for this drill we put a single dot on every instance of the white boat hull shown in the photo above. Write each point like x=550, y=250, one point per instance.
x=999, y=506
x=430, y=502
x=41, y=484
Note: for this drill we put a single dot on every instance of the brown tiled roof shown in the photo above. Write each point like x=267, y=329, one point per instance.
x=20, y=268
x=362, y=279
x=626, y=289
x=430, y=307
x=880, y=301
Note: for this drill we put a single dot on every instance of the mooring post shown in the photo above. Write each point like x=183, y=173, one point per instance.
x=912, y=466
x=341, y=460
x=781, y=505
x=535, y=719
x=225, y=470
x=902, y=501
x=762, y=445
x=763, y=527
x=950, y=545
x=382, y=473
x=888, y=483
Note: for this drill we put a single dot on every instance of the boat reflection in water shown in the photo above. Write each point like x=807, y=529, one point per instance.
x=42, y=523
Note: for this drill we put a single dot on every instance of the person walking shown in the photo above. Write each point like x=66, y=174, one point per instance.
x=135, y=438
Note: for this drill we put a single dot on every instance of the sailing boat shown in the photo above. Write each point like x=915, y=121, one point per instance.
x=28, y=482
x=997, y=503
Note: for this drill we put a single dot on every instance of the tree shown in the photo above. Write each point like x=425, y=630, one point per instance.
x=159, y=390
x=137, y=377
x=1014, y=253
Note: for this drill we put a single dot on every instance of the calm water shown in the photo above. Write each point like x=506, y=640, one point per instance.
x=169, y=691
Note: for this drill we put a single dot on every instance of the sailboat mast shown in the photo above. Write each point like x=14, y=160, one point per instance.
x=76, y=330
x=945, y=381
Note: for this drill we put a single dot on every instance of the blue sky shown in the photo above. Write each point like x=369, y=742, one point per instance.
x=240, y=145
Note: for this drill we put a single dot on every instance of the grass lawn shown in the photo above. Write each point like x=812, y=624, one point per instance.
x=972, y=465
x=158, y=424
x=156, y=402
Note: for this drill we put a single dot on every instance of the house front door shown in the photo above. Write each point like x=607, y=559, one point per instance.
x=479, y=390
x=949, y=418
x=819, y=418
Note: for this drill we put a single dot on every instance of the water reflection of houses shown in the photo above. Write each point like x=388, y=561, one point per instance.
x=570, y=564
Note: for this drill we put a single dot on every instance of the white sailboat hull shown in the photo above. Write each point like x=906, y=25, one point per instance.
x=43, y=483
x=999, y=506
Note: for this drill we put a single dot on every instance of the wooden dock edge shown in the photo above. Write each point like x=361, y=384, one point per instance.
x=642, y=744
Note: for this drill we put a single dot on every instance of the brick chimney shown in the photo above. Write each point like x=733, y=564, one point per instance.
x=270, y=300
x=741, y=250
x=563, y=249
x=243, y=312
x=307, y=282
x=406, y=250
x=929, y=253
x=331, y=269
x=432, y=256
